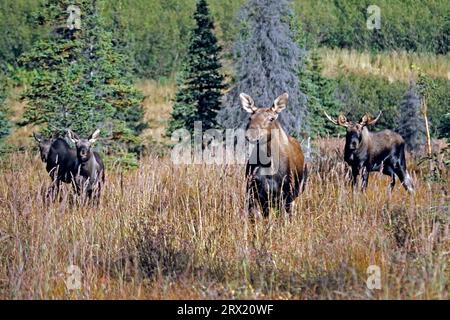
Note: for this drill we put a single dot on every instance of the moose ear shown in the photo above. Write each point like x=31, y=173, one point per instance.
x=73, y=136
x=37, y=137
x=247, y=103
x=94, y=136
x=280, y=103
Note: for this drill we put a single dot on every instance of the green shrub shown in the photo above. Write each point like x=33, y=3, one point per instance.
x=361, y=93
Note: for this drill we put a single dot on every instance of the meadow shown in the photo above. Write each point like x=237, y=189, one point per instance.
x=392, y=65
x=180, y=232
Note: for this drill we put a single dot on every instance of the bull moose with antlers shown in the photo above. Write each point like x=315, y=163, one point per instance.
x=367, y=151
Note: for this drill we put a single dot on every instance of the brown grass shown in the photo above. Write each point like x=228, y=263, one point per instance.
x=393, y=65
x=167, y=231
x=157, y=105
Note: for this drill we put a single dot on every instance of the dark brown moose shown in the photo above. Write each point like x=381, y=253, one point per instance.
x=276, y=170
x=60, y=159
x=367, y=151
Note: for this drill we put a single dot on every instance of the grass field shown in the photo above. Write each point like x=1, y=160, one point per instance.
x=166, y=231
x=392, y=65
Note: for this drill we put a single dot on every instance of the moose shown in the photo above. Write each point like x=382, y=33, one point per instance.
x=90, y=175
x=60, y=160
x=367, y=151
x=80, y=166
x=276, y=170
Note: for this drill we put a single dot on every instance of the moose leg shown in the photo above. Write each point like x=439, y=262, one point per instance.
x=288, y=205
x=405, y=179
x=392, y=185
x=364, y=179
x=355, y=173
x=97, y=192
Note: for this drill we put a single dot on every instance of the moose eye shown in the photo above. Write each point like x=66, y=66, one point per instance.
x=271, y=118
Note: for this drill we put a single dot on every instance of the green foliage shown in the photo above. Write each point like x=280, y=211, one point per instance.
x=16, y=29
x=156, y=31
x=81, y=80
x=411, y=25
x=436, y=94
x=200, y=82
x=320, y=92
x=361, y=93
x=5, y=125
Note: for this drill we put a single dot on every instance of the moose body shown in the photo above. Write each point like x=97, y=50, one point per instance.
x=60, y=159
x=276, y=170
x=90, y=174
x=81, y=166
x=367, y=151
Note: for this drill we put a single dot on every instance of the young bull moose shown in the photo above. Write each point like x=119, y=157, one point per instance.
x=367, y=151
x=276, y=170
x=60, y=159
x=90, y=171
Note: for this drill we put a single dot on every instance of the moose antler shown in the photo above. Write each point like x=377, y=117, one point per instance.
x=367, y=119
x=330, y=118
x=341, y=120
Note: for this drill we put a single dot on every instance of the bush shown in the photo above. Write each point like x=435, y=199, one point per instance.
x=411, y=25
x=362, y=93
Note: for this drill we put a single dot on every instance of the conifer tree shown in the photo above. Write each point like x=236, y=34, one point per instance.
x=411, y=125
x=200, y=82
x=267, y=61
x=82, y=82
x=320, y=92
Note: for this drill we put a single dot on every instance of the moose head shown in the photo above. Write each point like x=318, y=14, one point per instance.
x=44, y=145
x=262, y=120
x=354, y=129
x=84, y=146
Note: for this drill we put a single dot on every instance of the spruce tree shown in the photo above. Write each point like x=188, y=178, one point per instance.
x=320, y=92
x=411, y=125
x=82, y=82
x=200, y=81
x=267, y=61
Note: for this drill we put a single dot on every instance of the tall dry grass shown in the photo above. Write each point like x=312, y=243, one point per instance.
x=167, y=231
x=157, y=106
x=393, y=65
